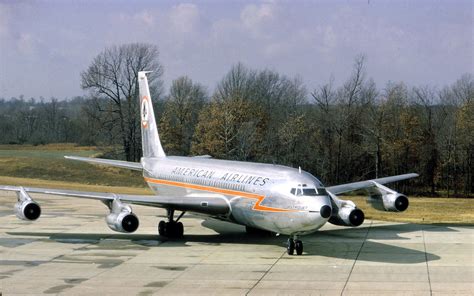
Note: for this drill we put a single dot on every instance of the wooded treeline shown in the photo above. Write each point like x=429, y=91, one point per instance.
x=339, y=133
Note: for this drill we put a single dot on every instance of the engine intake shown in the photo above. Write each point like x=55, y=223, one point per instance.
x=26, y=208
x=401, y=203
x=123, y=222
x=348, y=216
x=386, y=199
x=121, y=218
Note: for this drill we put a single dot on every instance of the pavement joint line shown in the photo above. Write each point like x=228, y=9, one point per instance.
x=357, y=257
x=426, y=259
x=54, y=259
x=266, y=272
x=193, y=265
x=105, y=270
x=107, y=236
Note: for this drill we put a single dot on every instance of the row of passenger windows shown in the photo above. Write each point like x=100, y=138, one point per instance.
x=205, y=182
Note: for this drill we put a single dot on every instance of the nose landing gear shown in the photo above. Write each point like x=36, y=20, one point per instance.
x=172, y=228
x=294, y=245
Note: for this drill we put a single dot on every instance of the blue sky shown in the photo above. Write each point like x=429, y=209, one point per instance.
x=44, y=45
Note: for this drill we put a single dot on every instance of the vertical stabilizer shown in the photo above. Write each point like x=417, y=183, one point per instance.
x=151, y=144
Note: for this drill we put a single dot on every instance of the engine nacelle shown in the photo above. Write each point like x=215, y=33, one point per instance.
x=393, y=202
x=26, y=208
x=348, y=216
x=122, y=222
x=121, y=218
x=386, y=199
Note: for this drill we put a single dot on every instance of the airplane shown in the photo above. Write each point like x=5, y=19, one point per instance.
x=263, y=197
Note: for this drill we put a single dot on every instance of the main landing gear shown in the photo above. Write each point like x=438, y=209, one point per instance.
x=172, y=228
x=294, y=245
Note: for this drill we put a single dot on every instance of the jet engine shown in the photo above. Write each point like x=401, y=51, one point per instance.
x=121, y=217
x=385, y=199
x=26, y=208
x=348, y=216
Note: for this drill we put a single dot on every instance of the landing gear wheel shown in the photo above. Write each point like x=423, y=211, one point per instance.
x=179, y=229
x=299, y=247
x=172, y=228
x=162, y=228
x=290, y=246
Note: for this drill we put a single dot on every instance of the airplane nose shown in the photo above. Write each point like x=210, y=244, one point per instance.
x=325, y=211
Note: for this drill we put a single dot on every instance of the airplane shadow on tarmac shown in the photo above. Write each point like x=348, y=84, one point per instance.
x=361, y=243
x=347, y=242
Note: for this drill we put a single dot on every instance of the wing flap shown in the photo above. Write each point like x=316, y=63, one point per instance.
x=369, y=183
x=109, y=162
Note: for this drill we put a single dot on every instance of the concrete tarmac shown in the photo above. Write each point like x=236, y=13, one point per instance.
x=71, y=251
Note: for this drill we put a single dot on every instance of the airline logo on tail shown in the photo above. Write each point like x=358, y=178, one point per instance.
x=145, y=111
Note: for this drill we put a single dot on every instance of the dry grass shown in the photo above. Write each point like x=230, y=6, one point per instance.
x=48, y=163
x=424, y=210
x=28, y=182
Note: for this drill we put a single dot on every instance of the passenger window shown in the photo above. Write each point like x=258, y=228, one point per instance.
x=293, y=191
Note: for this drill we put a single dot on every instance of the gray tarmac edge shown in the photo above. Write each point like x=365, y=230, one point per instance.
x=71, y=251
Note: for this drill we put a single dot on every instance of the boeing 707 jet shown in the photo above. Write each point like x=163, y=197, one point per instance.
x=260, y=196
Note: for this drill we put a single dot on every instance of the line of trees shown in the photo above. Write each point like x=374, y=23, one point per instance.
x=339, y=133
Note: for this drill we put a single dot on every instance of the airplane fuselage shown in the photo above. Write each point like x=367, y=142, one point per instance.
x=266, y=196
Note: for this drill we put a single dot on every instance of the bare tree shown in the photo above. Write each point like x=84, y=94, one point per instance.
x=431, y=119
x=180, y=116
x=112, y=76
x=340, y=113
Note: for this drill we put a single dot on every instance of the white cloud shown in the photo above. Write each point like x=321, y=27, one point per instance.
x=144, y=17
x=26, y=43
x=203, y=40
x=259, y=18
x=184, y=17
x=253, y=15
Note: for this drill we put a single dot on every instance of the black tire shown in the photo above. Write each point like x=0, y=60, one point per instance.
x=162, y=228
x=299, y=247
x=290, y=247
x=179, y=229
x=171, y=229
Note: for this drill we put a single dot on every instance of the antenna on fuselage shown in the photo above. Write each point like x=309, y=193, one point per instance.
x=299, y=169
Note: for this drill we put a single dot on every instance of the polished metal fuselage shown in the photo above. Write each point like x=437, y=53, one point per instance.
x=258, y=195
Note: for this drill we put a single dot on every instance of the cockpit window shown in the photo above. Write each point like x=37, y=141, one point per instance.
x=300, y=190
x=309, y=192
x=322, y=191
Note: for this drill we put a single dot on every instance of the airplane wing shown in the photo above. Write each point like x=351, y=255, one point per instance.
x=369, y=183
x=110, y=162
x=210, y=205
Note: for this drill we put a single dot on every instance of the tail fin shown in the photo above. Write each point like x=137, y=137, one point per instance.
x=151, y=144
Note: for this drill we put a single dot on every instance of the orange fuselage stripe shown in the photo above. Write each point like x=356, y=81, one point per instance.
x=257, y=206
